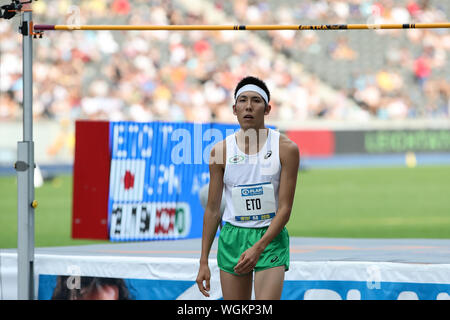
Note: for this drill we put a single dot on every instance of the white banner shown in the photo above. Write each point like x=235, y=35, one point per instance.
x=174, y=278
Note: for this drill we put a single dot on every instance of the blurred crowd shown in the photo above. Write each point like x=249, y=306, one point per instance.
x=190, y=76
x=413, y=81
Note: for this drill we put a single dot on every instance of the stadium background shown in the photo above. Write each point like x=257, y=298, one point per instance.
x=345, y=82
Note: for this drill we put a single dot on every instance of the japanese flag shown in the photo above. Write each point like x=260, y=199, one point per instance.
x=127, y=180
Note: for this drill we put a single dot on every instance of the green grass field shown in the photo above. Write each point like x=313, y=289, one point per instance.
x=351, y=203
x=373, y=203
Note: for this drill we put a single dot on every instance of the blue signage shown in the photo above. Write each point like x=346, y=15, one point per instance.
x=146, y=289
x=157, y=171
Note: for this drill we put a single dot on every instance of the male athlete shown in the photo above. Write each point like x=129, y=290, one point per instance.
x=257, y=169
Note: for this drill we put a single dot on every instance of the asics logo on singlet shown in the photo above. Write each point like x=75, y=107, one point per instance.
x=236, y=159
x=247, y=192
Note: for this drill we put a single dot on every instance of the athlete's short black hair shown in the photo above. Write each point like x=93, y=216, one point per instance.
x=255, y=81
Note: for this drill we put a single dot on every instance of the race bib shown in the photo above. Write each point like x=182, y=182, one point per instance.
x=253, y=202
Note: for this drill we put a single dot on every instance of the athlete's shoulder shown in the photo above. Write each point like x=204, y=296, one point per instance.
x=288, y=148
x=221, y=145
x=218, y=152
x=287, y=143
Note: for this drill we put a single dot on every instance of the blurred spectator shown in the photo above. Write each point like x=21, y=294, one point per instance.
x=340, y=50
x=122, y=7
x=422, y=69
x=388, y=81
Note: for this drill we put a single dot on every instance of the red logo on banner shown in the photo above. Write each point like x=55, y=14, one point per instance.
x=165, y=220
x=128, y=180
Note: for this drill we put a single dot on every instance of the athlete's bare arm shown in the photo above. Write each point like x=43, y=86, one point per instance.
x=211, y=218
x=290, y=160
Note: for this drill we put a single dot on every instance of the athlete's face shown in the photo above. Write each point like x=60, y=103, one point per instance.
x=250, y=109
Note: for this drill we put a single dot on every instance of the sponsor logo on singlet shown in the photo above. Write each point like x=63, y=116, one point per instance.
x=255, y=191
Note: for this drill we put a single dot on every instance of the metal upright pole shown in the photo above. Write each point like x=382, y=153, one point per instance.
x=25, y=173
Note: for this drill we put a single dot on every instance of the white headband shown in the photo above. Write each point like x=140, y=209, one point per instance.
x=254, y=88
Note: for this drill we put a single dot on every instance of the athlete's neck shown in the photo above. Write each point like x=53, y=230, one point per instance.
x=251, y=140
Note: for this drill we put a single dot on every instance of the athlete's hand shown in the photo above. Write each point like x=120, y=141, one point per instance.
x=203, y=279
x=247, y=260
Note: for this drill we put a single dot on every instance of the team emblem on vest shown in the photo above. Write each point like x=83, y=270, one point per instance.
x=236, y=159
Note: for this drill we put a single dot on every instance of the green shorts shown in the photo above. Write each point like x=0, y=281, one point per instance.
x=233, y=241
